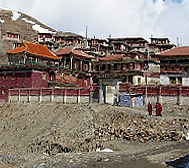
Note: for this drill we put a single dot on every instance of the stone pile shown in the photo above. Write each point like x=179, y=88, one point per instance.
x=115, y=126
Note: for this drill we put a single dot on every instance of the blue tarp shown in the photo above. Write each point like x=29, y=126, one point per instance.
x=126, y=100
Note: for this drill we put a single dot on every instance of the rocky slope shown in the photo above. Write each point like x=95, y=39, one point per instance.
x=47, y=129
x=23, y=24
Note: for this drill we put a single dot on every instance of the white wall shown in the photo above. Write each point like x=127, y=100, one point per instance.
x=164, y=79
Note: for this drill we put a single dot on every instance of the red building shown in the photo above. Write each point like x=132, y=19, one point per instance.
x=160, y=44
x=34, y=66
x=73, y=58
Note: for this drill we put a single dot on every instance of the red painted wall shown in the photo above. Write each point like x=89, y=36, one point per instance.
x=32, y=80
x=38, y=81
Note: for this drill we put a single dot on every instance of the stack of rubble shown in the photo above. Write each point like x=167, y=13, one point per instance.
x=115, y=126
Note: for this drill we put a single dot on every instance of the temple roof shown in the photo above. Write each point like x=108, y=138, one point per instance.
x=177, y=51
x=72, y=51
x=113, y=57
x=36, y=49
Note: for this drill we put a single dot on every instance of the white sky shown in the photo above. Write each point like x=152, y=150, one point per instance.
x=120, y=18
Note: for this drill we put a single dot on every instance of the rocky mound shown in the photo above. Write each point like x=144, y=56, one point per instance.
x=52, y=128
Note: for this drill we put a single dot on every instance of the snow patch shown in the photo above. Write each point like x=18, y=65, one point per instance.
x=187, y=136
x=28, y=21
x=2, y=21
x=104, y=150
x=40, y=29
x=15, y=16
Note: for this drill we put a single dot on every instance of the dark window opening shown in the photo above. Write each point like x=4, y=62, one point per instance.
x=2, y=90
x=5, y=75
x=13, y=74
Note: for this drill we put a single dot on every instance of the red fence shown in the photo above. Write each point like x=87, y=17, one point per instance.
x=49, y=91
x=155, y=89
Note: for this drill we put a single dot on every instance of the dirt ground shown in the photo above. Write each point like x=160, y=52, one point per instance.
x=22, y=126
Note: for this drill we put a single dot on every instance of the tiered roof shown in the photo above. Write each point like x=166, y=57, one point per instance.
x=113, y=57
x=177, y=51
x=72, y=51
x=36, y=49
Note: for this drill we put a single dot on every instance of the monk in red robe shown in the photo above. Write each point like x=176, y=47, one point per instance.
x=150, y=109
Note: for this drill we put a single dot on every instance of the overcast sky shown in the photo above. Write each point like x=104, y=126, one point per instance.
x=120, y=18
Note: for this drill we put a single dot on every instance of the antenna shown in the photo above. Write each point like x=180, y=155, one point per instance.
x=178, y=41
x=181, y=40
x=86, y=37
x=86, y=32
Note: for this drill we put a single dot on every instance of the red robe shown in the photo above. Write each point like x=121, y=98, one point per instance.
x=160, y=109
x=150, y=109
x=157, y=109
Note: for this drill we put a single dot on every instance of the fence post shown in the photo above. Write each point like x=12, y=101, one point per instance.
x=78, y=96
x=159, y=98
x=9, y=96
x=146, y=95
x=40, y=96
x=91, y=93
x=52, y=95
x=19, y=95
x=179, y=96
x=29, y=97
x=65, y=92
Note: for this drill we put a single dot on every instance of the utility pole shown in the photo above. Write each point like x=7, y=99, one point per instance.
x=86, y=36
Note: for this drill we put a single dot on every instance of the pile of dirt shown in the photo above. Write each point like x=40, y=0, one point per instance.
x=41, y=129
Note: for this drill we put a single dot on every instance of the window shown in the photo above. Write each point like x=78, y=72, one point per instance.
x=172, y=80
x=2, y=90
x=25, y=74
x=118, y=66
x=85, y=82
x=13, y=74
x=131, y=66
x=76, y=66
x=179, y=80
x=85, y=67
x=44, y=76
x=124, y=66
x=4, y=75
x=139, y=81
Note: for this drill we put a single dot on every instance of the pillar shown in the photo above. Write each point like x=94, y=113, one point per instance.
x=29, y=96
x=146, y=96
x=9, y=96
x=81, y=65
x=179, y=96
x=91, y=93
x=65, y=96
x=90, y=66
x=19, y=95
x=40, y=96
x=71, y=63
x=101, y=97
x=52, y=95
x=159, y=97
x=127, y=79
x=64, y=63
x=78, y=96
